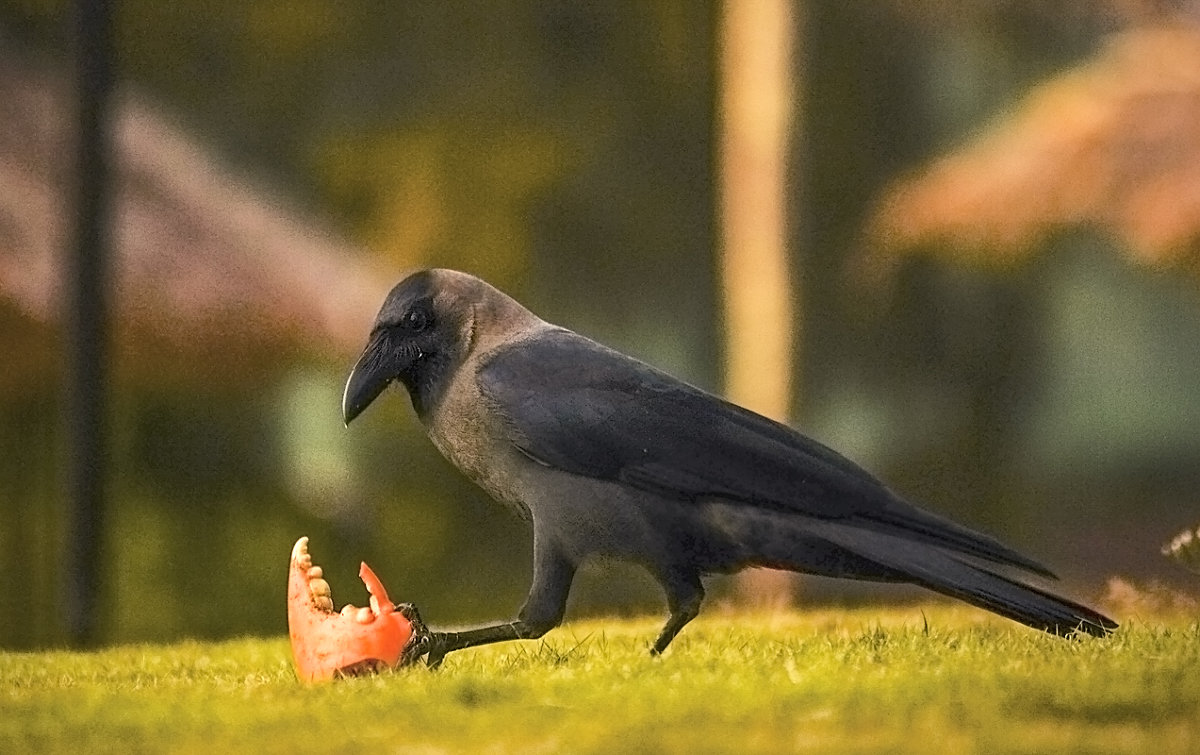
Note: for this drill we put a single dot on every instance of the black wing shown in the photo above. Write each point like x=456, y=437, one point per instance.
x=575, y=405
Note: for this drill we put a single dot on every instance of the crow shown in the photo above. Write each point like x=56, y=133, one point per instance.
x=608, y=456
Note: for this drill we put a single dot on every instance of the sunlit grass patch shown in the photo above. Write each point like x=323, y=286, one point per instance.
x=911, y=679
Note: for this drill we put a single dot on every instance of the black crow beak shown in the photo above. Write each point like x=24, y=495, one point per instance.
x=377, y=367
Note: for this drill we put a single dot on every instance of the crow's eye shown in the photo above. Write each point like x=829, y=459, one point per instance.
x=415, y=320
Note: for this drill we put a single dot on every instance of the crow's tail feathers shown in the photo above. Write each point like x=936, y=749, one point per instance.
x=950, y=574
x=1027, y=604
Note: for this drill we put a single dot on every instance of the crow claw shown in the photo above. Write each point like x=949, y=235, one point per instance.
x=418, y=643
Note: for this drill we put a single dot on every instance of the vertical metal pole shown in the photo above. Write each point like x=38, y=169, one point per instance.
x=87, y=324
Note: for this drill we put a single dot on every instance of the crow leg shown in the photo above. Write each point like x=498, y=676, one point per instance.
x=685, y=593
x=440, y=643
x=544, y=609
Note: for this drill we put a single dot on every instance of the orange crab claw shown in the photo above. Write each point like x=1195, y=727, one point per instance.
x=326, y=644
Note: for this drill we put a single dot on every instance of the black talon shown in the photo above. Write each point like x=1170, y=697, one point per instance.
x=410, y=612
x=419, y=642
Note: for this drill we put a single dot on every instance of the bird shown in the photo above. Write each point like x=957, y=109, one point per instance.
x=607, y=456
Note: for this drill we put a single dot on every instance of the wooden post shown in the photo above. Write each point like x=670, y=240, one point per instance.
x=756, y=95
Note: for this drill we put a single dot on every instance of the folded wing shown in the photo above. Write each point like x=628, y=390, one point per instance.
x=578, y=406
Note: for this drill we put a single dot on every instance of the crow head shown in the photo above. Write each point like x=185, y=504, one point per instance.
x=421, y=333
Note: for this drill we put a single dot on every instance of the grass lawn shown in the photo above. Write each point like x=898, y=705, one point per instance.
x=936, y=678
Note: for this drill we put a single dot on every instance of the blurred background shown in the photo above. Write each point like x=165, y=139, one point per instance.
x=957, y=241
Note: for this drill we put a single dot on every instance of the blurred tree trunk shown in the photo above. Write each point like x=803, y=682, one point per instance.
x=755, y=113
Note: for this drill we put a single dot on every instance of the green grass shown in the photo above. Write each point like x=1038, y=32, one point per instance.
x=937, y=678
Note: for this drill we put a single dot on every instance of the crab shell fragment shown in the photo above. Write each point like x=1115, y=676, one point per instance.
x=326, y=643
